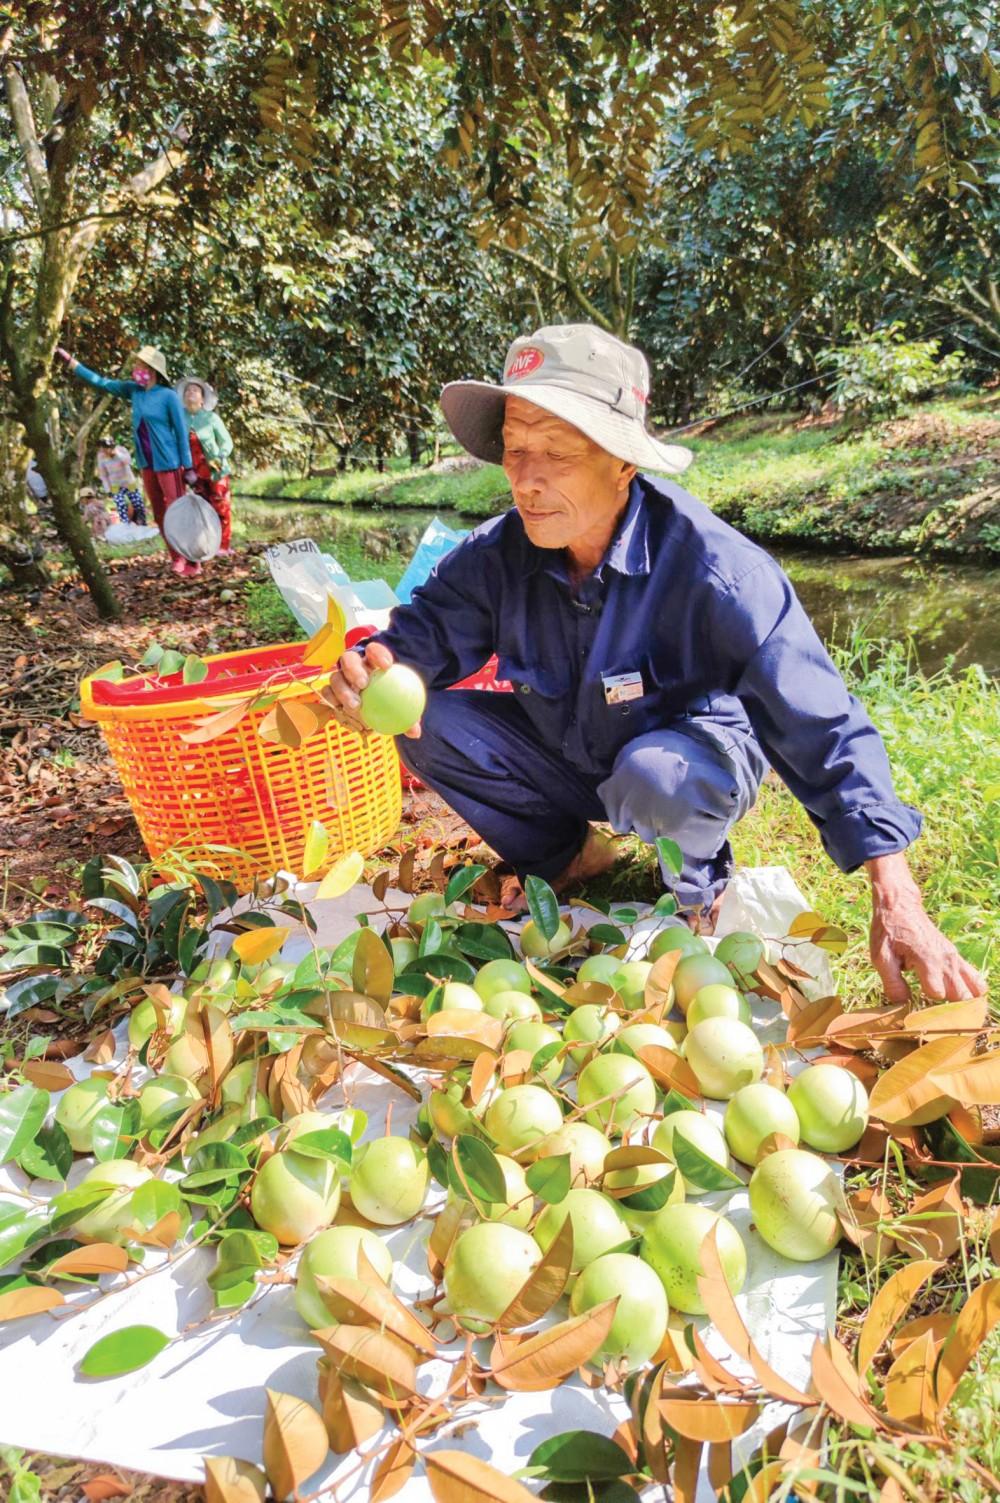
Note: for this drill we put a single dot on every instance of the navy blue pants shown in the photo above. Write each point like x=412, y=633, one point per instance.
x=482, y=754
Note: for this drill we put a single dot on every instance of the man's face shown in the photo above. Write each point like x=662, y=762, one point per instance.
x=566, y=488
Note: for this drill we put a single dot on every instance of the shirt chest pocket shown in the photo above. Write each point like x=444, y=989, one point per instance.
x=550, y=681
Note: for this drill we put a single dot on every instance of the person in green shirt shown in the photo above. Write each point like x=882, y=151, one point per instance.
x=211, y=446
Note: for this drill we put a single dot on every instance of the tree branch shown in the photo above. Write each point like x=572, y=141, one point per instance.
x=578, y=295
x=24, y=128
x=528, y=260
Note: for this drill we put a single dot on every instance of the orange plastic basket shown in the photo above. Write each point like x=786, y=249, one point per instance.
x=238, y=790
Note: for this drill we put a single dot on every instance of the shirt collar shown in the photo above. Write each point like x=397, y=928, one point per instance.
x=627, y=553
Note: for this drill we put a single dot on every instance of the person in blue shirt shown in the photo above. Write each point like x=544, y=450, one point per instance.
x=660, y=661
x=159, y=433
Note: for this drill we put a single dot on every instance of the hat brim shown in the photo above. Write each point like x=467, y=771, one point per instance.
x=474, y=411
x=210, y=397
x=154, y=359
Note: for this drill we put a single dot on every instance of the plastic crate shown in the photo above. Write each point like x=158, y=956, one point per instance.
x=238, y=790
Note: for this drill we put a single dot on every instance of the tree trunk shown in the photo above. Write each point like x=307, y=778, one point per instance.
x=414, y=445
x=19, y=551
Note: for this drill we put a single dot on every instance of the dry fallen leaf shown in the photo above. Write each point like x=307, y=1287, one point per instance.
x=458, y=1477
x=890, y=1305
x=543, y=1360
x=295, y=1441
x=229, y=1480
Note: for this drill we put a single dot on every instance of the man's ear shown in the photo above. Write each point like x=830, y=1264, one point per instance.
x=628, y=474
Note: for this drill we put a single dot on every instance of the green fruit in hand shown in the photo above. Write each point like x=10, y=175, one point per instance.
x=794, y=1198
x=725, y=1056
x=589, y=1025
x=603, y=969
x=831, y=1105
x=627, y=1082
x=502, y=976
x=598, y=1225
x=754, y=1114
x=394, y=700
x=111, y=1221
x=534, y=1036
x=630, y=983
x=636, y=1036
x=521, y=1115
x=162, y=1099
x=143, y=1022
x=718, y=1001
x=694, y=972
x=677, y=937
x=78, y=1105
x=672, y=1248
x=742, y=952
x=487, y=1267
x=696, y=1129
x=404, y=952
x=389, y=1180
x=587, y=1148
x=294, y=1197
x=333, y=1254
x=505, y=1005
x=534, y=944
x=640, y=1321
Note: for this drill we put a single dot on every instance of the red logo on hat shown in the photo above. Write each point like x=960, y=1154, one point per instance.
x=523, y=363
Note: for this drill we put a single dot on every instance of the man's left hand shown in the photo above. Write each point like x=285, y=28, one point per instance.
x=904, y=938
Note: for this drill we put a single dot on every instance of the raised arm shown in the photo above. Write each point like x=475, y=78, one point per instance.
x=821, y=742
x=103, y=383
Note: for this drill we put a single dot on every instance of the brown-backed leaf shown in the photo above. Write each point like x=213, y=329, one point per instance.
x=31, y=1299
x=580, y=993
x=459, y=1477
x=466, y=1023
x=976, y=1320
x=710, y=1370
x=837, y=1384
x=229, y=1480
x=100, y=1257
x=658, y=991
x=544, y=1285
x=544, y=1360
x=909, y=1384
x=858, y=1029
x=907, y=1095
x=212, y=726
x=805, y=924
x=710, y=1420
x=255, y=946
x=774, y=1068
x=721, y=1307
x=654, y=1438
x=994, y=1238
x=811, y=1023
x=933, y=1225
x=377, y=1359
x=480, y=1076
x=948, y=1017
x=720, y=1466
x=404, y=877
x=351, y=1413
x=100, y=1489
x=763, y=1484
x=974, y=1082
x=101, y=1050
x=342, y=876
x=670, y=1071
x=355, y=1303
x=394, y=1470
x=939, y=1324
x=448, y=1226
x=47, y=1074
x=295, y=1441
x=372, y=971
x=687, y=1465
x=890, y=1305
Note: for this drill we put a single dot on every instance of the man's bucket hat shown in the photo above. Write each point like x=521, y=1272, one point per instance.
x=576, y=372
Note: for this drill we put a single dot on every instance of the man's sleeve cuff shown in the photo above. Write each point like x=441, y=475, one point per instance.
x=860, y=834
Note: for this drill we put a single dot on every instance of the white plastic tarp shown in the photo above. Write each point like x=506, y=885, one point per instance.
x=204, y=1394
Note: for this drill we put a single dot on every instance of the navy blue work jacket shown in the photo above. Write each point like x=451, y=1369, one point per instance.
x=709, y=621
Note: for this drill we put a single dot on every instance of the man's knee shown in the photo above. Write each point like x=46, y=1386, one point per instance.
x=667, y=783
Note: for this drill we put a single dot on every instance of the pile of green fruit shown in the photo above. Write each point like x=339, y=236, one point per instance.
x=567, y=1086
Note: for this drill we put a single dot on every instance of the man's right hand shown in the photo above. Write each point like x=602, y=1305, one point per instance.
x=351, y=676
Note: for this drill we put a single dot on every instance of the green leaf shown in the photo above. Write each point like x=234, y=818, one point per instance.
x=545, y=1055
x=170, y=662
x=580, y=1456
x=543, y=905
x=651, y=1197
x=673, y=1101
x=483, y=942
x=461, y=880
x=431, y=938
x=113, y=672
x=252, y=1129
x=152, y=656
x=49, y=1155
x=68, y=1206
x=32, y=955
x=549, y=1178
x=213, y=1164
x=665, y=905
x=440, y=968
x=239, y=1257
x=606, y=934
x=482, y=1173
x=326, y=1143
x=670, y=854
x=115, y=1128
x=123, y=1352
x=699, y=1168
x=151, y=1201
x=625, y=915
x=195, y=669
x=22, y=1112
x=439, y=1162
x=19, y=1229
x=38, y=934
